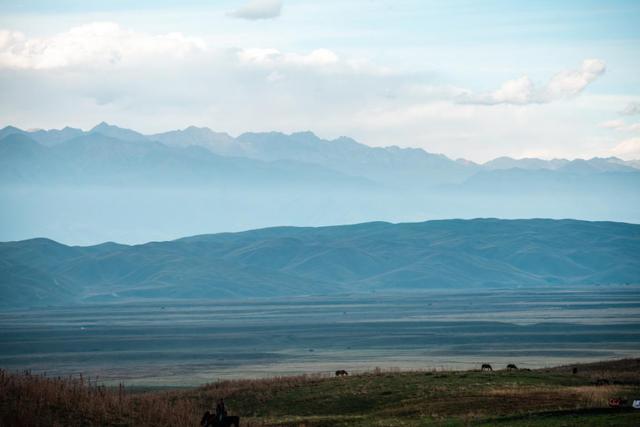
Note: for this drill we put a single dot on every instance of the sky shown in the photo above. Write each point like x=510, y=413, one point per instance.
x=469, y=79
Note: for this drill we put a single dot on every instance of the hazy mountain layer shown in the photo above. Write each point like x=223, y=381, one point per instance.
x=200, y=153
x=353, y=258
x=98, y=159
x=406, y=166
x=345, y=154
x=111, y=183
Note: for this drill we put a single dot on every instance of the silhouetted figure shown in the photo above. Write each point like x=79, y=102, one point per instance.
x=342, y=373
x=221, y=411
x=486, y=367
x=574, y=371
x=220, y=417
x=511, y=367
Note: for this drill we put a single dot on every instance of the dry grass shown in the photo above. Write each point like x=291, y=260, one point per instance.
x=586, y=396
x=380, y=397
x=262, y=386
x=33, y=400
x=623, y=371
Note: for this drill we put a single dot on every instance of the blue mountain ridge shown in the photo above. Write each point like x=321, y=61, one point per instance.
x=288, y=261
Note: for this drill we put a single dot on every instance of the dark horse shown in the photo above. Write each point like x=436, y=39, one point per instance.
x=486, y=367
x=210, y=420
x=341, y=373
x=511, y=367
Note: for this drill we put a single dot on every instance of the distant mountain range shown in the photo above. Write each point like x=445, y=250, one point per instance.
x=385, y=165
x=111, y=183
x=285, y=261
x=114, y=156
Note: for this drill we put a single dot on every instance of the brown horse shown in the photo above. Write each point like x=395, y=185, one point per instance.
x=511, y=367
x=341, y=373
x=210, y=420
x=486, y=367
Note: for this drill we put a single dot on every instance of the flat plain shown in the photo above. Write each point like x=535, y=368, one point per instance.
x=185, y=344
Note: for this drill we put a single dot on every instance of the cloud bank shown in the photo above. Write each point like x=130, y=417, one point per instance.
x=628, y=149
x=631, y=109
x=92, y=45
x=522, y=91
x=272, y=58
x=258, y=9
x=104, y=45
x=621, y=125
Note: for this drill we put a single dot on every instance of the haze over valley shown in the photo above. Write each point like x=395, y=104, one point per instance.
x=115, y=184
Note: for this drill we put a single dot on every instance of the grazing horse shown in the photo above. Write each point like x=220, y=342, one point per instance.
x=341, y=373
x=486, y=367
x=210, y=420
x=512, y=367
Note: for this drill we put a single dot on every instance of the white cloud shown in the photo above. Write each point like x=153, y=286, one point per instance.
x=518, y=91
x=620, y=125
x=613, y=124
x=569, y=83
x=275, y=76
x=522, y=91
x=320, y=60
x=632, y=108
x=628, y=149
x=93, y=45
x=273, y=58
x=106, y=44
x=258, y=9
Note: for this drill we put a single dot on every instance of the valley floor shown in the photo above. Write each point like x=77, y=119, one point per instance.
x=542, y=397
x=190, y=343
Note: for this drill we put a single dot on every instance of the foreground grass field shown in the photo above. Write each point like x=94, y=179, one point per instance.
x=547, y=397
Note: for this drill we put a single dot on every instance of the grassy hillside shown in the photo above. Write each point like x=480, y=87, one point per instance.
x=550, y=397
x=285, y=261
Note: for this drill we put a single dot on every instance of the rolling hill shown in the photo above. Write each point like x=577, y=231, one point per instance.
x=287, y=261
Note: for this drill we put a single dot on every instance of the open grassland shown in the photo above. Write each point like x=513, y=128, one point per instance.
x=542, y=397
